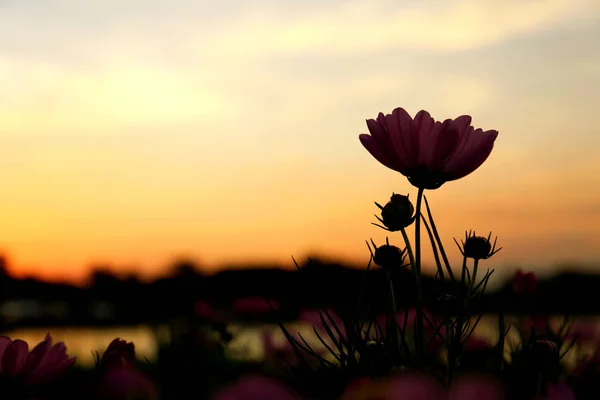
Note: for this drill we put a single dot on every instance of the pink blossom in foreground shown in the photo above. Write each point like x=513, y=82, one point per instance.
x=256, y=387
x=118, y=353
x=43, y=364
x=558, y=391
x=525, y=282
x=125, y=382
x=120, y=379
x=476, y=387
x=253, y=306
x=415, y=387
x=428, y=152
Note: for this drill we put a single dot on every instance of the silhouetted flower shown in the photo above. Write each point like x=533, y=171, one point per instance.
x=477, y=247
x=396, y=214
x=427, y=152
x=256, y=387
x=118, y=353
x=45, y=363
x=388, y=256
x=525, y=282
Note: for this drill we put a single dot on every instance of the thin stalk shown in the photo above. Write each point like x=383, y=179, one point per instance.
x=501, y=336
x=473, y=276
x=393, y=330
x=419, y=331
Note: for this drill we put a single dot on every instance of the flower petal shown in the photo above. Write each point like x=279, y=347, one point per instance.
x=38, y=354
x=473, y=150
x=14, y=358
x=445, y=139
x=379, y=153
x=404, y=137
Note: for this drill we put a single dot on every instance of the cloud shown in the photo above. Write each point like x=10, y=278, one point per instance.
x=377, y=27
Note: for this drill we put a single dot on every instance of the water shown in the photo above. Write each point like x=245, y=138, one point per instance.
x=84, y=342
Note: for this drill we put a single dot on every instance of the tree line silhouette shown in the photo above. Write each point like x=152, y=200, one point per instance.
x=315, y=284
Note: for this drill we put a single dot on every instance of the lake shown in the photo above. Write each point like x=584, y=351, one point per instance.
x=247, y=344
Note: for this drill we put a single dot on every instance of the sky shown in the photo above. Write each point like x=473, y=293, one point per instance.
x=134, y=133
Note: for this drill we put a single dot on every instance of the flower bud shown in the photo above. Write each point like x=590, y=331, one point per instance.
x=477, y=247
x=388, y=256
x=397, y=213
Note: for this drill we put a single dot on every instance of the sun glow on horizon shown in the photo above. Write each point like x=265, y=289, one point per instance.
x=133, y=133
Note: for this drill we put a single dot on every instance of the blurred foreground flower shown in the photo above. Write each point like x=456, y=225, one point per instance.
x=417, y=386
x=427, y=152
x=476, y=387
x=45, y=363
x=118, y=353
x=557, y=391
x=256, y=387
x=127, y=383
x=120, y=379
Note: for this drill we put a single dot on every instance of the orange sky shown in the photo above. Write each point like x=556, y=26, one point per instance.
x=134, y=134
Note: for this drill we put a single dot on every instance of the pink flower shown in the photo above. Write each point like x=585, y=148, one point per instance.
x=558, y=391
x=253, y=306
x=427, y=152
x=256, y=387
x=415, y=387
x=118, y=353
x=525, y=282
x=476, y=387
x=43, y=364
x=126, y=382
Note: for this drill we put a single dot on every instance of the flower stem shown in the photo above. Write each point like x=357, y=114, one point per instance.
x=417, y=267
x=473, y=276
x=500, y=341
x=393, y=331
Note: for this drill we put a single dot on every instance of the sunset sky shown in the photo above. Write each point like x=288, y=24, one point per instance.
x=136, y=132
